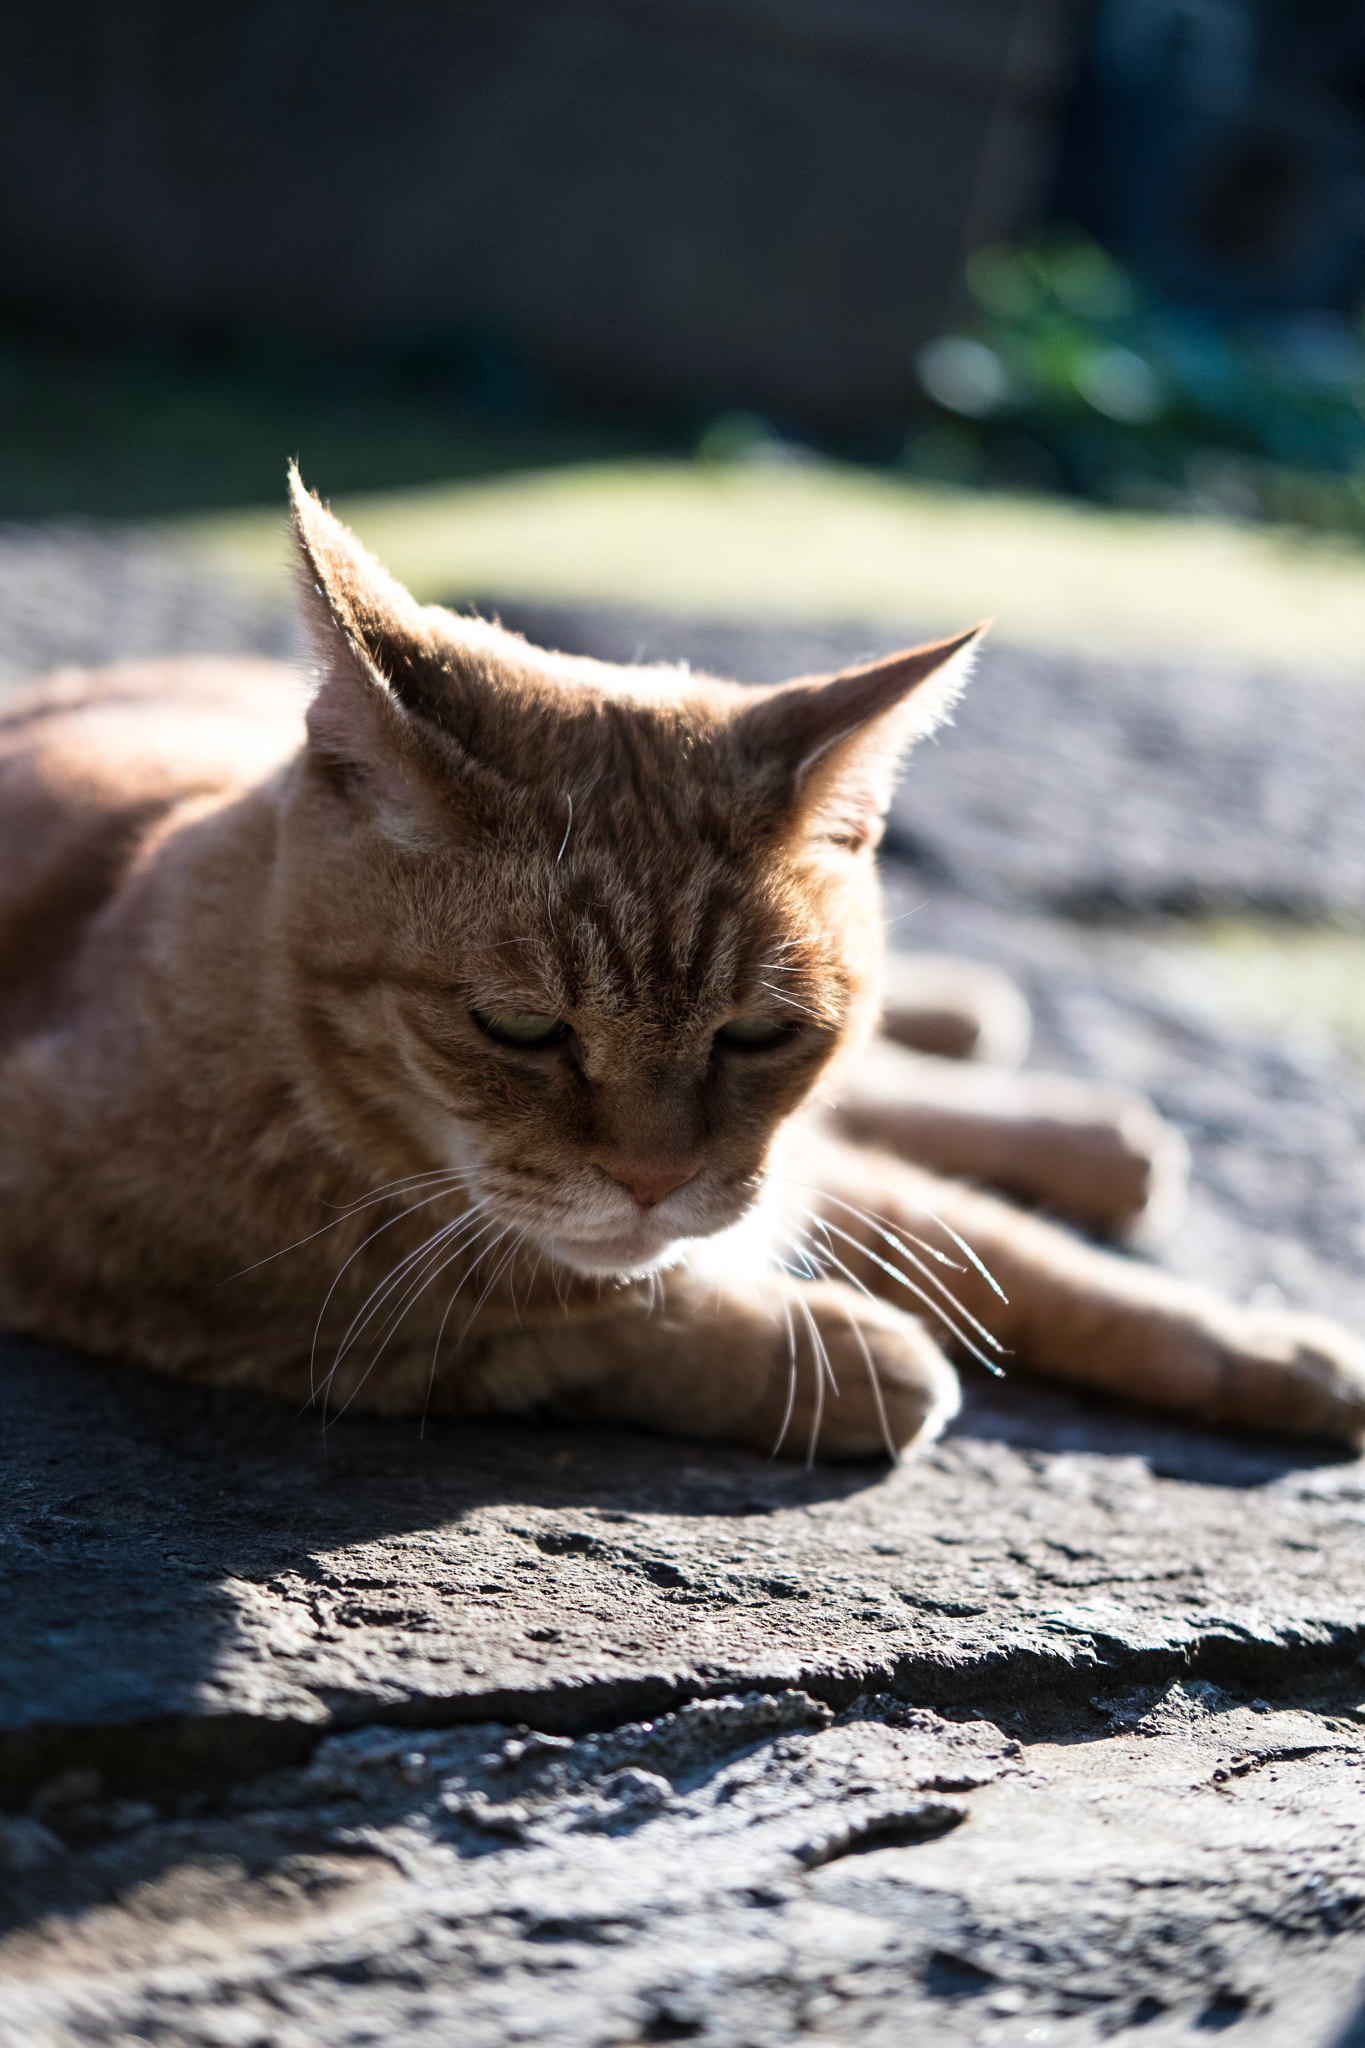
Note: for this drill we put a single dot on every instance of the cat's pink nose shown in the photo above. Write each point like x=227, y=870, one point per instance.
x=648, y=1188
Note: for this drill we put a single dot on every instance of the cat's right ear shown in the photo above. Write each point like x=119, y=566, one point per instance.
x=378, y=670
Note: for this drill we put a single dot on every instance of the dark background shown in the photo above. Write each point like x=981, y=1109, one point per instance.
x=670, y=200
x=432, y=236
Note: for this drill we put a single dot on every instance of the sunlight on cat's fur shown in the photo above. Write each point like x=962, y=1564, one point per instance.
x=486, y=1032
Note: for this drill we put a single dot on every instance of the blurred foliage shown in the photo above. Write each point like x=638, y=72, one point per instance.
x=1075, y=378
x=146, y=432
x=1072, y=379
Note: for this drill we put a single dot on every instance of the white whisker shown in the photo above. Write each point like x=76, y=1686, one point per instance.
x=810, y=1258
x=432, y=1251
x=889, y=1237
x=411, y=1210
x=436, y=1347
x=507, y=1259
x=442, y=1251
x=883, y=1423
x=393, y=1279
x=815, y=1270
x=436, y=1266
x=449, y=1176
x=487, y=1253
x=791, y=1379
x=920, y=1294
x=987, y=1336
x=393, y=1187
x=820, y=1362
x=531, y=1283
x=792, y=1003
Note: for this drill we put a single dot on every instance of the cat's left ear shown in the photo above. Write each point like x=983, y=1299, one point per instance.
x=830, y=749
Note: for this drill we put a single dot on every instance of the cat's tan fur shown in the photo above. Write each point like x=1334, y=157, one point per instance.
x=251, y=1131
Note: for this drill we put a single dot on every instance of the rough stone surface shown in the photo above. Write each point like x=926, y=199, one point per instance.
x=206, y=1577
x=85, y=595
x=1061, y=1726
x=508, y=1734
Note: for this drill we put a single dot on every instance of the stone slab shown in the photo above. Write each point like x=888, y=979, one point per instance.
x=1276, y=1126
x=750, y=1871
x=503, y=1734
x=84, y=595
x=197, y=1584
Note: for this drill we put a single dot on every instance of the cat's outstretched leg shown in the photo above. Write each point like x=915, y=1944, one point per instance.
x=1078, y=1313
x=800, y=1367
x=956, y=1009
x=1099, y=1156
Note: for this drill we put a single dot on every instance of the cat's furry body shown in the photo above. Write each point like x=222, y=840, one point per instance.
x=265, y=1117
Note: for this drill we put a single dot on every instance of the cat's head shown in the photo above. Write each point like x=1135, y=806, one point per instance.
x=588, y=934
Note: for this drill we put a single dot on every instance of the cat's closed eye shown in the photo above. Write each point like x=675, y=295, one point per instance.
x=751, y=1034
x=524, y=1028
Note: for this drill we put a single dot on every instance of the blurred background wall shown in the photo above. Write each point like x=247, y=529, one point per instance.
x=686, y=200
x=695, y=200
x=1110, y=248
x=1219, y=147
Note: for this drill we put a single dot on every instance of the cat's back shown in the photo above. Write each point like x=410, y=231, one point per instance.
x=92, y=761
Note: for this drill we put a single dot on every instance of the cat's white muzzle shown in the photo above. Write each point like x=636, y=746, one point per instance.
x=656, y=1238
x=625, y=1254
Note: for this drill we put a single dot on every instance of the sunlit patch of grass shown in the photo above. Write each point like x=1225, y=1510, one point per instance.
x=1277, y=975
x=820, y=541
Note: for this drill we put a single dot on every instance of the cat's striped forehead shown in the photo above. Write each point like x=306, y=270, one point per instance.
x=697, y=938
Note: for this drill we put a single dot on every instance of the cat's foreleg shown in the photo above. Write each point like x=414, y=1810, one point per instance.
x=1078, y=1313
x=774, y=1363
x=957, y=1009
x=1096, y=1155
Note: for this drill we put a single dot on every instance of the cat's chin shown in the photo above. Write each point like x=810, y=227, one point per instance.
x=653, y=1248
x=628, y=1255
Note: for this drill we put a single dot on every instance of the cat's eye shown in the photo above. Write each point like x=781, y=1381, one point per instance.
x=750, y=1034
x=522, y=1027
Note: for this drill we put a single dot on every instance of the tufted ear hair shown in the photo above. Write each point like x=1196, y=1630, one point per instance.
x=830, y=748
x=360, y=619
x=406, y=691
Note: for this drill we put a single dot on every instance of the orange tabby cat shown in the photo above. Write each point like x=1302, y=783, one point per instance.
x=453, y=1044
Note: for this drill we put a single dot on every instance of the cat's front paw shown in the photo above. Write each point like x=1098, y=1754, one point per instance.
x=857, y=1379
x=1297, y=1374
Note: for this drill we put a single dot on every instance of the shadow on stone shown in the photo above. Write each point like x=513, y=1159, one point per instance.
x=1032, y=1414
x=200, y=1585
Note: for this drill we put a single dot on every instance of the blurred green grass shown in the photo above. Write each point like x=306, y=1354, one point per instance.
x=471, y=483
x=815, y=540
x=1287, y=979
x=139, y=433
